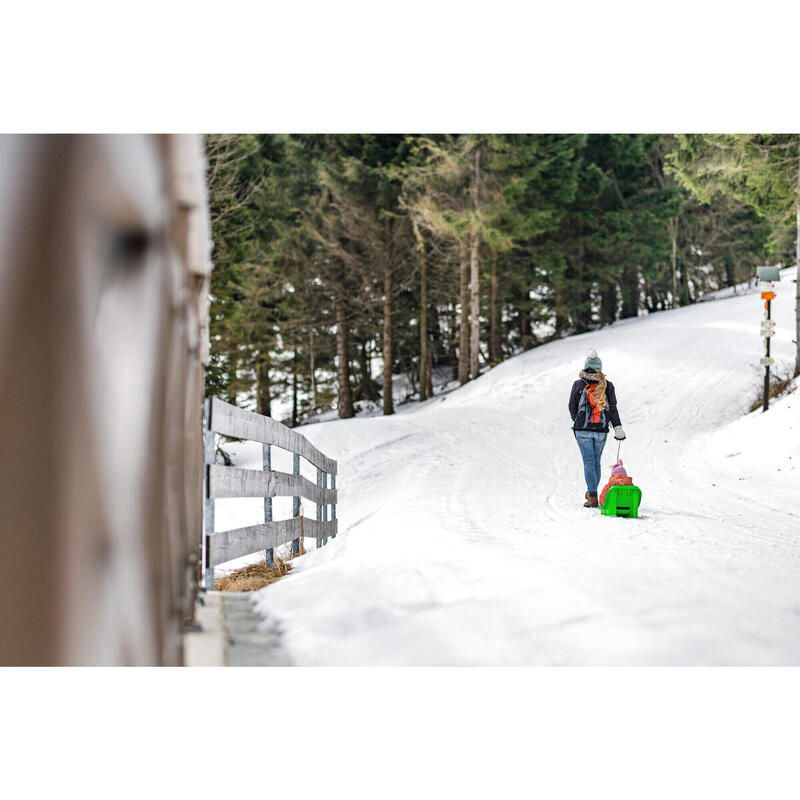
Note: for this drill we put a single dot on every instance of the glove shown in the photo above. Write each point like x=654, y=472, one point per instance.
x=619, y=433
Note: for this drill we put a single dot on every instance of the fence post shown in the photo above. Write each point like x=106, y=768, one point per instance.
x=320, y=477
x=208, y=503
x=296, y=506
x=325, y=506
x=333, y=505
x=266, y=459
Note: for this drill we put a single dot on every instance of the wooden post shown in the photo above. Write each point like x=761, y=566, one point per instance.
x=325, y=506
x=266, y=460
x=208, y=515
x=110, y=521
x=296, y=506
x=320, y=478
x=333, y=505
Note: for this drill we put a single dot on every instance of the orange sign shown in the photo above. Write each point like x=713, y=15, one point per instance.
x=767, y=295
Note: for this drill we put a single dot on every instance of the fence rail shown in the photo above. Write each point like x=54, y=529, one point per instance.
x=239, y=423
x=231, y=482
x=235, y=482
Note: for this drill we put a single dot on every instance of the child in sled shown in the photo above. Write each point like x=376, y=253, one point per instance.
x=619, y=477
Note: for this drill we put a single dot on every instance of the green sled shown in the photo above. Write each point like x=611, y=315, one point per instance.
x=622, y=501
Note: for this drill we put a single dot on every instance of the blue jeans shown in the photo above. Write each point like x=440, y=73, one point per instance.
x=591, y=444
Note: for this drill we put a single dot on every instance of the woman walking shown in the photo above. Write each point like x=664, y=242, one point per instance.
x=593, y=405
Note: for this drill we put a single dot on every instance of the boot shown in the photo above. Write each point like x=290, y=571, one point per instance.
x=591, y=500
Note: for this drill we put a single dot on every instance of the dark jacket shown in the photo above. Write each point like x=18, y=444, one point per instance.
x=612, y=415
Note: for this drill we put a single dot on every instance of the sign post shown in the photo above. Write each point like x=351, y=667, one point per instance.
x=768, y=275
x=767, y=333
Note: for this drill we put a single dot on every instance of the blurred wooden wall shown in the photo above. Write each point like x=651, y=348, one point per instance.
x=104, y=272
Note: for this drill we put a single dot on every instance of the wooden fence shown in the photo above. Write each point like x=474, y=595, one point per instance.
x=104, y=271
x=224, y=481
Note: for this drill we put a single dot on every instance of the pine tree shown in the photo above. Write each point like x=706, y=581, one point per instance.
x=434, y=253
x=761, y=170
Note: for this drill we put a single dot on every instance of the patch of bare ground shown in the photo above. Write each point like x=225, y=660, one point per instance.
x=779, y=385
x=255, y=576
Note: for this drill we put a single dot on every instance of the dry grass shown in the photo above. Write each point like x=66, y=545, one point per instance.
x=255, y=576
x=779, y=384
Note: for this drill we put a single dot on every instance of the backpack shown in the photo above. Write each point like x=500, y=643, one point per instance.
x=588, y=412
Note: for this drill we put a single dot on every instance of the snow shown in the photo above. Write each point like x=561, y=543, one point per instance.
x=464, y=540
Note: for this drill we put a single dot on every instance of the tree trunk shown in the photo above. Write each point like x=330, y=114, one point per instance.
x=797, y=283
x=475, y=318
x=582, y=318
x=311, y=368
x=412, y=374
x=730, y=273
x=630, y=292
x=342, y=356
x=649, y=301
x=683, y=286
x=608, y=303
x=368, y=389
x=294, y=390
x=450, y=340
x=525, y=337
x=475, y=321
x=494, y=316
x=561, y=320
x=388, y=403
x=428, y=381
x=463, y=349
x=672, y=225
x=423, y=325
x=233, y=375
x=264, y=393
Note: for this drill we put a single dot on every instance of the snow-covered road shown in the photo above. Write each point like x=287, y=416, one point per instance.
x=464, y=539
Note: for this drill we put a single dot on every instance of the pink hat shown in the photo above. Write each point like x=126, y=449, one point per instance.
x=618, y=470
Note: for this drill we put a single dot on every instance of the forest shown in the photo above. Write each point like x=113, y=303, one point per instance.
x=359, y=271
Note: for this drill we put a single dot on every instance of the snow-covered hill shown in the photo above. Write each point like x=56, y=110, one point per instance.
x=464, y=539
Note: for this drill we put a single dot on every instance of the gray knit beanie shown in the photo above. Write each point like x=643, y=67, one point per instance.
x=593, y=361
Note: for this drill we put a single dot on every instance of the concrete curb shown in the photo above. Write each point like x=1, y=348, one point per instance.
x=232, y=634
x=249, y=641
x=206, y=648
